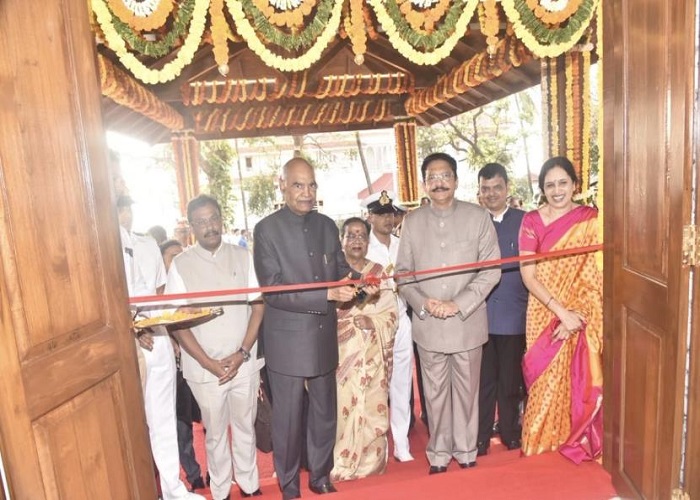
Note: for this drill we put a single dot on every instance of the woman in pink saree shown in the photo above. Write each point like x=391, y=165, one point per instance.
x=562, y=366
x=366, y=329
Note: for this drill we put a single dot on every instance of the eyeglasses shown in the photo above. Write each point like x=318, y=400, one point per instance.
x=214, y=219
x=445, y=176
x=358, y=237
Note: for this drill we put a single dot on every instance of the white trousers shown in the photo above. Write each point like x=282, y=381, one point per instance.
x=400, y=386
x=159, y=399
x=233, y=405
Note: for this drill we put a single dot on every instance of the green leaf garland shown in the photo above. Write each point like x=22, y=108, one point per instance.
x=544, y=33
x=418, y=40
x=289, y=42
x=161, y=47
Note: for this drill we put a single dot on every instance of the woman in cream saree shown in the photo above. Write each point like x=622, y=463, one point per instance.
x=366, y=330
x=562, y=367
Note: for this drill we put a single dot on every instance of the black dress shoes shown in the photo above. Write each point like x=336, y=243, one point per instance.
x=514, y=444
x=197, y=484
x=323, y=489
x=437, y=469
x=256, y=493
x=467, y=465
x=482, y=448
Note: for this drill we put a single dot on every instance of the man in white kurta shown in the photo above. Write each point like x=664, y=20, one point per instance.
x=383, y=249
x=145, y=273
x=219, y=357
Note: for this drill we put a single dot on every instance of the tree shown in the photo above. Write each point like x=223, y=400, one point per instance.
x=216, y=160
x=479, y=136
x=261, y=193
x=483, y=135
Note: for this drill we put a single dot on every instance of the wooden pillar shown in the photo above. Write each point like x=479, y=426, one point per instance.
x=186, y=153
x=567, y=110
x=405, y=137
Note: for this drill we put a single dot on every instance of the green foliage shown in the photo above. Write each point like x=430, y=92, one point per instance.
x=261, y=193
x=216, y=161
x=479, y=136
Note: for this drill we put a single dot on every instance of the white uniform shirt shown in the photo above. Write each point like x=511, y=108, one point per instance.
x=386, y=256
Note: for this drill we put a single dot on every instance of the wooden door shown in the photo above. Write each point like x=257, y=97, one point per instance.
x=648, y=94
x=72, y=424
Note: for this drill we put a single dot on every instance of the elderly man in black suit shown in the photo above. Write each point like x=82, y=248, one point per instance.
x=298, y=245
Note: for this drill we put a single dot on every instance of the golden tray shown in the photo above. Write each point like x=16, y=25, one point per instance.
x=179, y=317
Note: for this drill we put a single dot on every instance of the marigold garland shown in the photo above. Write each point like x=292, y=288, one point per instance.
x=122, y=89
x=154, y=20
x=489, y=21
x=235, y=91
x=601, y=166
x=290, y=18
x=157, y=48
x=172, y=69
x=553, y=107
x=550, y=15
x=391, y=18
x=313, y=54
x=586, y=125
x=339, y=112
x=356, y=30
x=423, y=19
x=219, y=36
x=510, y=52
x=541, y=38
x=296, y=39
x=569, y=109
x=437, y=51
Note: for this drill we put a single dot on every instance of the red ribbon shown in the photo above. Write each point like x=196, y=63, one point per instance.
x=367, y=280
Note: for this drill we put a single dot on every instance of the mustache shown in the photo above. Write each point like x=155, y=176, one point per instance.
x=439, y=189
x=211, y=233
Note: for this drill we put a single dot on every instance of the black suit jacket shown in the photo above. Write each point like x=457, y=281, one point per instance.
x=299, y=328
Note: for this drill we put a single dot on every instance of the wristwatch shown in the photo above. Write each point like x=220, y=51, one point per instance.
x=423, y=312
x=245, y=353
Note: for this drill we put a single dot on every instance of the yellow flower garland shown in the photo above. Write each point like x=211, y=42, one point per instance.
x=313, y=54
x=586, y=132
x=600, y=194
x=569, y=107
x=416, y=56
x=553, y=107
x=537, y=48
x=218, y=35
x=172, y=69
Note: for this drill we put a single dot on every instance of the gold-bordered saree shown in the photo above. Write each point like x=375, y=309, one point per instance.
x=363, y=373
x=564, y=378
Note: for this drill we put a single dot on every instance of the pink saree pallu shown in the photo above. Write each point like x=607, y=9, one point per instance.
x=585, y=440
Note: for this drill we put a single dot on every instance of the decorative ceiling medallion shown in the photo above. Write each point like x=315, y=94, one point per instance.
x=285, y=4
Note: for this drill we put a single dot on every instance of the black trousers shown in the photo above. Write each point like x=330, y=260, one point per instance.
x=501, y=382
x=289, y=425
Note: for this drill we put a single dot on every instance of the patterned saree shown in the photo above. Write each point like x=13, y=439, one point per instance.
x=564, y=378
x=363, y=373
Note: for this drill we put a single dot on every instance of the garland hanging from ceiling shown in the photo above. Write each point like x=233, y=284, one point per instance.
x=291, y=35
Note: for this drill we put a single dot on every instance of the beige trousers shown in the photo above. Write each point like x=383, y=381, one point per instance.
x=451, y=385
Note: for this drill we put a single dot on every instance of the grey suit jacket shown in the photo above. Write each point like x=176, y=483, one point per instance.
x=432, y=238
x=299, y=328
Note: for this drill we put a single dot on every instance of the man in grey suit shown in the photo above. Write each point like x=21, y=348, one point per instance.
x=298, y=245
x=449, y=321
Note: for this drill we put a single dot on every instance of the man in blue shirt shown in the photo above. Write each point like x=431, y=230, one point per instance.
x=501, y=373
